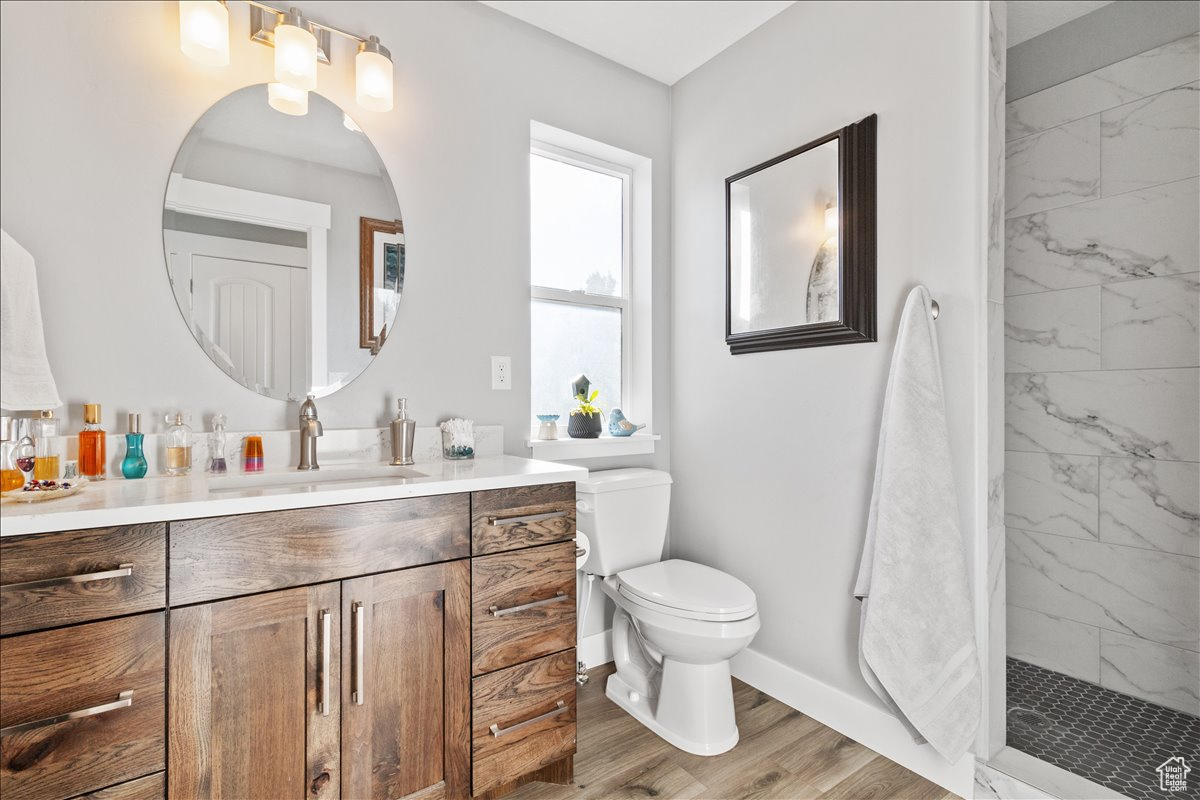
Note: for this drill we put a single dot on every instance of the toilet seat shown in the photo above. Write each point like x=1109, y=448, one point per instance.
x=687, y=590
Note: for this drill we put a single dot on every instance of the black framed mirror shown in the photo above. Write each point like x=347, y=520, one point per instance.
x=800, y=246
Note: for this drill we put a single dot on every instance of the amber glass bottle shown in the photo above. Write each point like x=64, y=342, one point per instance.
x=92, y=455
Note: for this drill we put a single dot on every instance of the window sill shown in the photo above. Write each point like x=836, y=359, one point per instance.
x=568, y=449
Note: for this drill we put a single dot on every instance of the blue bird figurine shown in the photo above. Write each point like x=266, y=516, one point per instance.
x=619, y=426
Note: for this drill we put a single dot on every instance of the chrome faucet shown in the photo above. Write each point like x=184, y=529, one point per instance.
x=310, y=429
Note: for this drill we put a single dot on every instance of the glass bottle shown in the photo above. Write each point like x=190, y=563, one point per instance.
x=45, y=439
x=179, y=446
x=252, y=453
x=93, y=455
x=10, y=476
x=216, y=446
x=25, y=457
x=134, y=465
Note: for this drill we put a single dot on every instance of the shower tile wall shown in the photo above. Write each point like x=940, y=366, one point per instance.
x=1102, y=376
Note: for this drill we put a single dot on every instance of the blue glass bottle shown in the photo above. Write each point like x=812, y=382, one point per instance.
x=134, y=464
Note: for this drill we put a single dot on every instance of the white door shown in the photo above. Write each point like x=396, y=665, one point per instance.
x=250, y=313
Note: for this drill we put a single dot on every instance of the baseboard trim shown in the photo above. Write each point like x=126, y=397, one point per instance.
x=864, y=723
x=596, y=649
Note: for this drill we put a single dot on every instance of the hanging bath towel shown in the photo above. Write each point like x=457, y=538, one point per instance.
x=25, y=380
x=916, y=643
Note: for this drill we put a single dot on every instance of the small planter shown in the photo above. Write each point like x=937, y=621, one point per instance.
x=584, y=426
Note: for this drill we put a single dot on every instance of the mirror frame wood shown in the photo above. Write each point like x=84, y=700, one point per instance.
x=856, y=244
x=367, y=228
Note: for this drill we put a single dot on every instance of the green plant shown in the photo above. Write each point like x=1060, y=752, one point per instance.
x=585, y=404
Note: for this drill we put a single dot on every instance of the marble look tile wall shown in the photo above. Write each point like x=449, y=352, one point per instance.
x=1102, y=385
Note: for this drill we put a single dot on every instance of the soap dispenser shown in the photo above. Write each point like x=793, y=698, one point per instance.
x=403, y=432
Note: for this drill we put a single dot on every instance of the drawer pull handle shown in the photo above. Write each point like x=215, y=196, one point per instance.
x=359, y=694
x=123, y=571
x=526, y=519
x=124, y=700
x=496, y=611
x=559, y=708
x=326, y=623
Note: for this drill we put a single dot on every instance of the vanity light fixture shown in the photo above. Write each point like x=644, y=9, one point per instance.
x=299, y=44
x=204, y=31
x=831, y=219
x=295, y=52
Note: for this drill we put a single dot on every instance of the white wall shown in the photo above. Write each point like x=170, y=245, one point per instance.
x=774, y=453
x=90, y=130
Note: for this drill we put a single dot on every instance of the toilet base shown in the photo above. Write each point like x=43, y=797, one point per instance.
x=723, y=732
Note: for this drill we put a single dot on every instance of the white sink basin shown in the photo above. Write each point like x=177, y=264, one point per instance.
x=326, y=476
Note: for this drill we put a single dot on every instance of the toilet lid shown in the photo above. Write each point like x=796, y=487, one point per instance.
x=689, y=587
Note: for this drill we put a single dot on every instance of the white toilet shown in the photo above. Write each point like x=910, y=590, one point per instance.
x=677, y=623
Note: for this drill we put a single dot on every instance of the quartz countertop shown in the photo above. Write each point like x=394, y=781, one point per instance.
x=164, y=499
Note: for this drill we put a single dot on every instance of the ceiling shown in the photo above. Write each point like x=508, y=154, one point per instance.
x=1030, y=18
x=664, y=39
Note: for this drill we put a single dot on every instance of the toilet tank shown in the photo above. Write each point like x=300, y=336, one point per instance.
x=624, y=514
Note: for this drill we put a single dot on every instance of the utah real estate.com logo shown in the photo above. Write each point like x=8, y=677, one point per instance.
x=1172, y=775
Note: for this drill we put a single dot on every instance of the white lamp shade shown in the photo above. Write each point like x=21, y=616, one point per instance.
x=295, y=57
x=373, y=81
x=284, y=98
x=204, y=31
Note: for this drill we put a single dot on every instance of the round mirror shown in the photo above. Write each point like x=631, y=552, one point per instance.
x=283, y=244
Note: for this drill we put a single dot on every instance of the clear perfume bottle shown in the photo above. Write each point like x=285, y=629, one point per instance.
x=134, y=464
x=216, y=446
x=179, y=445
x=45, y=439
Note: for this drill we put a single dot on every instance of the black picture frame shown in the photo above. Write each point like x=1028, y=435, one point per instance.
x=856, y=244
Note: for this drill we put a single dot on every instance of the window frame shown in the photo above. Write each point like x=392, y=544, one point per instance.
x=625, y=301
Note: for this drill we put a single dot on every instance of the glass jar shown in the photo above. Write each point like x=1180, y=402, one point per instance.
x=457, y=448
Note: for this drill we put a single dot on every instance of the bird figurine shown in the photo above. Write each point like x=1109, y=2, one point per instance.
x=619, y=426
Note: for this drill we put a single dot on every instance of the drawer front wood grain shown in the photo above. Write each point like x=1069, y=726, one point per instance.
x=151, y=787
x=523, y=605
x=509, y=519
x=231, y=556
x=86, y=668
x=40, y=584
x=530, y=731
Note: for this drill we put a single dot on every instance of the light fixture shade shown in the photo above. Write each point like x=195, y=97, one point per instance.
x=284, y=98
x=295, y=53
x=373, y=76
x=204, y=31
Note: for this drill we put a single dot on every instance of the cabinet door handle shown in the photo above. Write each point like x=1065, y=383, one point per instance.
x=559, y=708
x=326, y=631
x=496, y=611
x=358, y=695
x=123, y=571
x=525, y=519
x=124, y=700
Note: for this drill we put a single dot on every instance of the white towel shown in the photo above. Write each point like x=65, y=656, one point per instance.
x=25, y=380
x=917, y=637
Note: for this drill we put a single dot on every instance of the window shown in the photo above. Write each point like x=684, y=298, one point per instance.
x=581, y=317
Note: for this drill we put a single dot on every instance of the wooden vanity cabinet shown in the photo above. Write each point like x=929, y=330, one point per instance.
x=355, y=689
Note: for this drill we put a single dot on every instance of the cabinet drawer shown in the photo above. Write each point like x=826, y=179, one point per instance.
x=44, y=578
x=230, y=556
x=508, y=519
x=523, y=719
x=81, y=708
x=151, y=787
x=523, y=605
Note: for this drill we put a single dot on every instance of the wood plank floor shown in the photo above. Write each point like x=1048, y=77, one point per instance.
x=782, y=755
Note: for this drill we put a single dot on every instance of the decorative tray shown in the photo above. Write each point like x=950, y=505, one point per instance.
x=46, y=490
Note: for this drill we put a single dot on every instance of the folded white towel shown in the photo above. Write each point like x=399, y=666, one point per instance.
x=917, y=635
x=26, y=383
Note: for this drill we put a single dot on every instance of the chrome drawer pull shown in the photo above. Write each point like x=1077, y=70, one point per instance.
x=496, y=611
x=326, y=619
x=559, y=708
x=124, y=700
x=359, y=694
x=526, y=519
x=123, y=571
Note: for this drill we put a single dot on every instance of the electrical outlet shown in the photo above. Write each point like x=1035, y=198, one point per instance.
x=501, y=372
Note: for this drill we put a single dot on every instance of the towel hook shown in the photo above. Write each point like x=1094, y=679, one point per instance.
x=934, y=309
